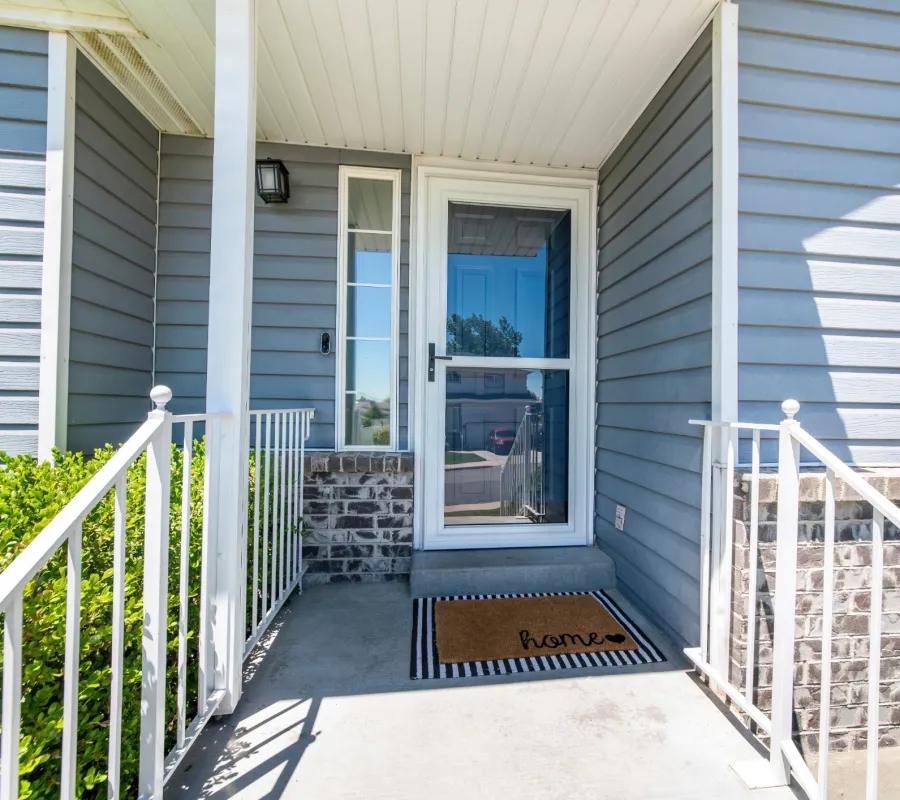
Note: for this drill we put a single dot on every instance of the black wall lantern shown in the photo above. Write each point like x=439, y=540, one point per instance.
x=273, y=183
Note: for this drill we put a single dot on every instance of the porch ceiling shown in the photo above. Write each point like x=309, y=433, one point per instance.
x=545, y=82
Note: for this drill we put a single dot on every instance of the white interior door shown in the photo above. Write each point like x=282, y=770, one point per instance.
x=506, y=430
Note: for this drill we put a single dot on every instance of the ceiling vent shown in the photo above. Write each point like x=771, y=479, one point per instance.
x=124, y=64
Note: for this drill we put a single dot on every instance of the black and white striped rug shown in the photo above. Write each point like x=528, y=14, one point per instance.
x=424, y=662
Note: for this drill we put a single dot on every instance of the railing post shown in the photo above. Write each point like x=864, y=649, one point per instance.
x=785, y=592
x=156, y=584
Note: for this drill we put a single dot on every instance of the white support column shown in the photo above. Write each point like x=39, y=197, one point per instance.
x=724, y=308
x=56, y=280
x=228, y=359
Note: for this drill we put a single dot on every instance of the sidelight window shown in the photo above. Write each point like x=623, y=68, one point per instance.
x=368, y=312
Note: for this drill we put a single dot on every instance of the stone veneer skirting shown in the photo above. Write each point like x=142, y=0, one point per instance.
x=852, y=576
x=358, y=517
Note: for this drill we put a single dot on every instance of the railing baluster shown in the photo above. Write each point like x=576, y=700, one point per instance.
x=184, y=566
x=265, y=546
x=118, y=642
x=72, y=658
x=289, y=553
x=875, y=654
x=282, y=505
x=304, y=436
x=12, y=700
x=827, y=624
x=276, y=516
x=705, y=511
x=206, y=670
x=298, y=421
x=753, y=556
x=256, y=489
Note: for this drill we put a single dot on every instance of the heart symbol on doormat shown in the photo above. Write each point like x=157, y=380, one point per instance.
x=617, y=638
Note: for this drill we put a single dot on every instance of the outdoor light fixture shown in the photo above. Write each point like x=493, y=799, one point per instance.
x=272, y=181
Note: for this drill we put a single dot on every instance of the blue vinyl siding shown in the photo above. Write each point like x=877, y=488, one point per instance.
x=113, y=264
x=23, y=145
x=654, y=344
x=820, y=221
x=294, y=284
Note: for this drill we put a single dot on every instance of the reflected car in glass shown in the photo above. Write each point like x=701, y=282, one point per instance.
x=500, y=441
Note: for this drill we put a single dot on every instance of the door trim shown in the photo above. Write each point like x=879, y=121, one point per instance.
x=562, y=188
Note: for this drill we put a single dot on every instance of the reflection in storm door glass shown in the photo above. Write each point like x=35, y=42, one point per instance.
x=508, y=277
x=506, y=452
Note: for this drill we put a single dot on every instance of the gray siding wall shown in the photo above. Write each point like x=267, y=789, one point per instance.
x=820, y=221
x=294, y=283
x=113, y=264
x=23, y=145
x=654, y=345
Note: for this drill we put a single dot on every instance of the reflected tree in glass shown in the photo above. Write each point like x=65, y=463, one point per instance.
x=477, y=336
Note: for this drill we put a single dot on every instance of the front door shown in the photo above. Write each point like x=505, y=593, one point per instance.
x=507, y=405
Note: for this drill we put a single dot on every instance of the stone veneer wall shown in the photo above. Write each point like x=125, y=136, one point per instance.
x=852, y=576
x=358, y=517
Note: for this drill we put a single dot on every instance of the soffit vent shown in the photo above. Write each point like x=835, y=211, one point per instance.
x=122, y=62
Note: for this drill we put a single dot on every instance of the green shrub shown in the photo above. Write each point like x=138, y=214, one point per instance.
x=31, y=494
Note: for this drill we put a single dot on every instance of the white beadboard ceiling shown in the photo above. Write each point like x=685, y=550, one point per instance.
x=544, y=82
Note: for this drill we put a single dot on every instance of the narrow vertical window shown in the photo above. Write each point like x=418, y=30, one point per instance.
x=368, y=313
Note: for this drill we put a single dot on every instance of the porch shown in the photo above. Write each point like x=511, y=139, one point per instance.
x=330, y=711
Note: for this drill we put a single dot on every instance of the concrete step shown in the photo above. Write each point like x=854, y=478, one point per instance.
x=513, y=570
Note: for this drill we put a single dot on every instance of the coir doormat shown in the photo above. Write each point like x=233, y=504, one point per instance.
x=472, y=635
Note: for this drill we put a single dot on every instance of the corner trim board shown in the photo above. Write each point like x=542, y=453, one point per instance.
x=56, y=282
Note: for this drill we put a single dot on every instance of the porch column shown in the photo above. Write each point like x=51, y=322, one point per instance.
x=228, y=357
x=724, y=319
x=56, y=273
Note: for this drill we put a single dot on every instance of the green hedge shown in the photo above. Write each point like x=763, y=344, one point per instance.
x=31, y=494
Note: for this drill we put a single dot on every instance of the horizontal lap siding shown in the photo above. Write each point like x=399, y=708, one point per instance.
x=820, y=222
x=113, y=264
x=294, y=281
x=654, y=345
x=23, y=145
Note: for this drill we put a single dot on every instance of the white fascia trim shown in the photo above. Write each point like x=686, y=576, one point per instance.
x=47, y=20
x=56, y=280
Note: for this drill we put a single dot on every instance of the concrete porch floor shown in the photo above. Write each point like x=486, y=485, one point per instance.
x=330, y=712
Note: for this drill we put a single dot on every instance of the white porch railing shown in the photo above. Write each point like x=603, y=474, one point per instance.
x=276, y=561
x=277, y=554
x=716, y=541
x=521, y=476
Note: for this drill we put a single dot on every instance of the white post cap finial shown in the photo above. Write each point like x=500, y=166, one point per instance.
x=790, y=408
x=160, y=395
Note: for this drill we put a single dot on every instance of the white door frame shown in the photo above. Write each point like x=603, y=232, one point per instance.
x=436, y=184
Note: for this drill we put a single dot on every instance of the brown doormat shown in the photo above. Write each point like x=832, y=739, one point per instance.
x=463, y=636
x=509, y=627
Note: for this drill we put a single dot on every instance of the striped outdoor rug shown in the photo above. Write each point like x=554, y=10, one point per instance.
x=425, y=661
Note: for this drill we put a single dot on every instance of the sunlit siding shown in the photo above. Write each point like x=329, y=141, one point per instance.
x=23, y=145
x=820, y=221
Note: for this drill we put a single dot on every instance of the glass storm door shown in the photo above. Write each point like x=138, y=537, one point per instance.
x=500, y=326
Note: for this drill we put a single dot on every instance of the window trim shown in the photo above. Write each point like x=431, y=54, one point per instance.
x=345, y=173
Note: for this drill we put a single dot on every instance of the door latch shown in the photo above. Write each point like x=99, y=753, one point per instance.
x=432, y=358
